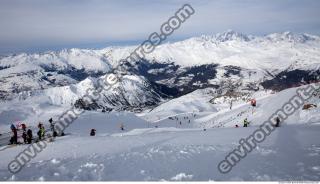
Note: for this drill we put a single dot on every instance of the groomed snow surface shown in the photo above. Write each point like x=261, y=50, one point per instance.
x=154, y=147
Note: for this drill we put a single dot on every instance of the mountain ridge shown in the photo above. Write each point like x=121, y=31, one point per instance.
x=173, y=69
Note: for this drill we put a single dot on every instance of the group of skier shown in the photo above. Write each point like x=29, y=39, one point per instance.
x=93, y=131
x=246, y=122
x=182, y=120
x=254, y=104
x=27, y=134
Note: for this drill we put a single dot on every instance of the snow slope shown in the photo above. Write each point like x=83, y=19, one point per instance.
x=40, y=105
x=209, y=115
x=192, y=102
x=188, y=155
x=175, y=152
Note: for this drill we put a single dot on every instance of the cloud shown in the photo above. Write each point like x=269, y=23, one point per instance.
x=44, y=24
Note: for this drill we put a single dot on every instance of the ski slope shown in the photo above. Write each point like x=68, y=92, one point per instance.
x=168, y=154
x=155, y=147
x=208, y=115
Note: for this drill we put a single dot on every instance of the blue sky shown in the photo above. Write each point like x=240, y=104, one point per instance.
x=39, y=25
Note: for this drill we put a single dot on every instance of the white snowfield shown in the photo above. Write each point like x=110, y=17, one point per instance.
x=289, y=153
x=155, y=146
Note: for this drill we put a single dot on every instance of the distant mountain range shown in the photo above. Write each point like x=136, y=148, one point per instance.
x=224, y=62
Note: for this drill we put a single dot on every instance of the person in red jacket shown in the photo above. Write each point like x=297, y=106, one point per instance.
x=253, y=102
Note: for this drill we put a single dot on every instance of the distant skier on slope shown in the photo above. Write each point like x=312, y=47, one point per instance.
x=52, y=128
x=253, y=102
x=122, y=127
x=245, y=122
x=24, y=132
x=29, y=136
x=41, y=131
x=14, y=138
x=277, y=122
x=93, y=132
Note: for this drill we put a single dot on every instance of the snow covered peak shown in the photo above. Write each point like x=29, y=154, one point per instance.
x=231, y=35
x=235, y=49
x=291, y=37
x=81, y=59
x=273, y=53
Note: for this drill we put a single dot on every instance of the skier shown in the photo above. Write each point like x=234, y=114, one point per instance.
x=245, y=122
x=51, y=124
x=93, y=132
x=122, y=127
x=14, y=138
x=24, y=132
x=23, y=126
x=29, y=136
x=253, y=102
x=237, y=126
x=41, y=131
x=54, y=133
x=277, y=122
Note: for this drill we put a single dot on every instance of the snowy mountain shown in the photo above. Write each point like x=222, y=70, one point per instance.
x=276, y=61
x=232, y=35
x=27, y=72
